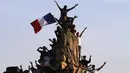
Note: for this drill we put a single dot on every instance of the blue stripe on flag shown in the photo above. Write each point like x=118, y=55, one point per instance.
x=49, y=18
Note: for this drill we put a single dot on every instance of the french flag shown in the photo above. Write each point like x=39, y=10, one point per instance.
x=45, y=20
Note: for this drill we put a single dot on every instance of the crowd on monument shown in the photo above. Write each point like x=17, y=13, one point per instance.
x=47, y=57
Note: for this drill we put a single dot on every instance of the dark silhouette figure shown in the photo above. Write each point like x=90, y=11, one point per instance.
x=59, y=34
x=21, y=69
x=26, y=71
x=39, y=67
x=71, y=19
x=95, y=70
x=43, y=51
x=33, y=70
x=54, y=42
x=12, y=69
x=85, y=62
x=64, y=11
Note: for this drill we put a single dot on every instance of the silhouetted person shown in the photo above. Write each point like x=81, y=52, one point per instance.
x=43, y=51
x=85, y=62
x=79, y=35
x=26, y=71
x=59, y=34
x=71, y=19
x=21, y=69
x=64, y=11
x=33, y=70
x=39, y=67
x=54, y=42
x=95, y=70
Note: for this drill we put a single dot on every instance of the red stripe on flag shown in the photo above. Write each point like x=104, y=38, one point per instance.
x=36, y=26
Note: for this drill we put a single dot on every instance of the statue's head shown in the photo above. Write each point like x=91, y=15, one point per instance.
x=65, y=6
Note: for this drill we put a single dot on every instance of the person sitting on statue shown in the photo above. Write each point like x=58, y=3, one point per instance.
x=43, y=51
x=85, y=62
x=95, y=70
x=64, y=11
x=71, y=19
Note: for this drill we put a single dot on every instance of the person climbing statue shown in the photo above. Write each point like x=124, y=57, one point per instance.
x=64, y=11
x=79, y=40
x=71, y=19
x=95, y=70
x=43, y=51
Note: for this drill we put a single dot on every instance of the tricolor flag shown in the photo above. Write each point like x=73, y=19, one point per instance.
x=45, y=20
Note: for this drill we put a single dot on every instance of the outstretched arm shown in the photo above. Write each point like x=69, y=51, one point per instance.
x=72, y=7
x=57, y=5
x=83, y=31
x=101, y=66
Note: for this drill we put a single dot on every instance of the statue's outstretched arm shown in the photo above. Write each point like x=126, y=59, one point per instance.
x=101, y=66
x=57, y=5
x=83, y=31
x=72, y=7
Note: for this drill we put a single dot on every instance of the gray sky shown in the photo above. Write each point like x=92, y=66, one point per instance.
x=106, y=39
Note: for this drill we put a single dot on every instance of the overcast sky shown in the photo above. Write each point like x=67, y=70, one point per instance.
x=107, y=37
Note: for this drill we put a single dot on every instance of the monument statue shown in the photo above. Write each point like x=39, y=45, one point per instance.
x=64, y=55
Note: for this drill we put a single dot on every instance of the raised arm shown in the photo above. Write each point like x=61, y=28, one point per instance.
x=101, y=66
x=31, y=64
x=89, y=59
x=72, y=7
x=50, y=40
x=39, y=49
x=57, y=5
x=83, y=31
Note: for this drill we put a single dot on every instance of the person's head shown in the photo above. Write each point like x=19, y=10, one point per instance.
x=84, y=57
x=58, y=27
x=93, y=66
x=54, y=39
x=65, y=7
x=73, y=26
x=77, y=34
